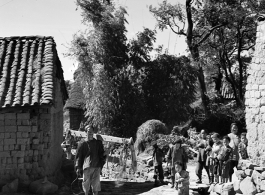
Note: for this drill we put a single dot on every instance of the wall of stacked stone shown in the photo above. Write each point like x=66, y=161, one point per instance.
x=25, y=141
x=255, y=98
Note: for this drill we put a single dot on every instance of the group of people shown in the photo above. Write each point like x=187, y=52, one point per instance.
x=219, y=156
x=177, y=159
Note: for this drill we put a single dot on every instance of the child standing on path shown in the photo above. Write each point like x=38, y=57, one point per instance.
x=158, y=169
x=209, y=160
x=176, y=153
x=224, y=157
x=242, y=146
x=215, y=151
x=181, y=179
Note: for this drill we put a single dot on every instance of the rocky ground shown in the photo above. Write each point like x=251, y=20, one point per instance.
x=117, y=182
x=141, y=183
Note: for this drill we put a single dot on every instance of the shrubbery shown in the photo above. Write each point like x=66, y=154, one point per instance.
x=220, y=118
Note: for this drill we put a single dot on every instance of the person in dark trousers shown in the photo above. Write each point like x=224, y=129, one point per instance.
x=201, y=157
x=242, y=146
x=224, y=157
x=234, y=141
x=209, y=160
x=158, y=169
x=89, y=160
x=176, y=153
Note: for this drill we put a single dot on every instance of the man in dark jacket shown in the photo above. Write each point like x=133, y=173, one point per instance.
x=158, y=156
x=89, y=160
x=201, y=157
x=176, y=153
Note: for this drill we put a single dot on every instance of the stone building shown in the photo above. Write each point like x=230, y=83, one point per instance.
x=75, y=104
x=255, y=97
x=32, y=96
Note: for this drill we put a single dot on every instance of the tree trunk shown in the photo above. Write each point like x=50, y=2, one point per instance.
x=200, y=74
x=240, y=63
x=230, y=78
x=194, y=50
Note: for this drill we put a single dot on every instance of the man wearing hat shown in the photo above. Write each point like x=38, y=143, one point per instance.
x=89, y=160
x=176, y=153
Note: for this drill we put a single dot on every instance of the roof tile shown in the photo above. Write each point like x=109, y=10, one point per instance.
x=27, y=71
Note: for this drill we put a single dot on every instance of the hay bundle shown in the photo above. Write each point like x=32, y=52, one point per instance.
x=148, y=132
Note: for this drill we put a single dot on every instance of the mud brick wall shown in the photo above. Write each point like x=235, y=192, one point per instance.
x=24, y=143
x=30, y=142
x=255, y=98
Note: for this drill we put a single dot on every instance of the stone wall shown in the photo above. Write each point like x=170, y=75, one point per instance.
x=24, y=143
x=30, y=141
x=255, y=98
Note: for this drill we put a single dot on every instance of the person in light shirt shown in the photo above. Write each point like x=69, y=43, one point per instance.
x=89, y=161
x=234, y=141
x=215, y=151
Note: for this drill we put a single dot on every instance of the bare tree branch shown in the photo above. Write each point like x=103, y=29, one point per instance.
x=209, y=33
x=247, y=48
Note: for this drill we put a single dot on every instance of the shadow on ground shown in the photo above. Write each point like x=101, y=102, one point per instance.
x=117, y=187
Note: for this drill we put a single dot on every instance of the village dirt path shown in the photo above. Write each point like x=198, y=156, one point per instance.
x=132, y=188
x=143, y=188
x=147, y=188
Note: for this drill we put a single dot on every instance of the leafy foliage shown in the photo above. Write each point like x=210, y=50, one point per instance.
x=123, y=85
x=229, y=43
x=221, y=117
x=169, y=88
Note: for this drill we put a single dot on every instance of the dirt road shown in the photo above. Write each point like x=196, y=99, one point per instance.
x=137, y=187
x=142, y=187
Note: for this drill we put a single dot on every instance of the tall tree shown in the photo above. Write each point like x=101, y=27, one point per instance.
x=177, y=17
x=229, y=45
x=169, y=88
x=101, y=51
x=119, y=77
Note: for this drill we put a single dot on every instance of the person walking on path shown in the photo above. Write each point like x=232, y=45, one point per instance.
x=89, y=160
x=201, y=157
x=234, y=141
x=158, y=169
x=176, y=153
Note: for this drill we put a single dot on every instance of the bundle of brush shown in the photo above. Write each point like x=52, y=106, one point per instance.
x=147, y=132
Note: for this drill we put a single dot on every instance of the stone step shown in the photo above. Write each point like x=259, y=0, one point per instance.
x=194, y=186
x=260, y=169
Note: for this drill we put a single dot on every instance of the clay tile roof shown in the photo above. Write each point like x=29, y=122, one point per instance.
x=28, y=66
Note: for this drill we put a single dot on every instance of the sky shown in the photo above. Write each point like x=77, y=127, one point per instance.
x=61, y=19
